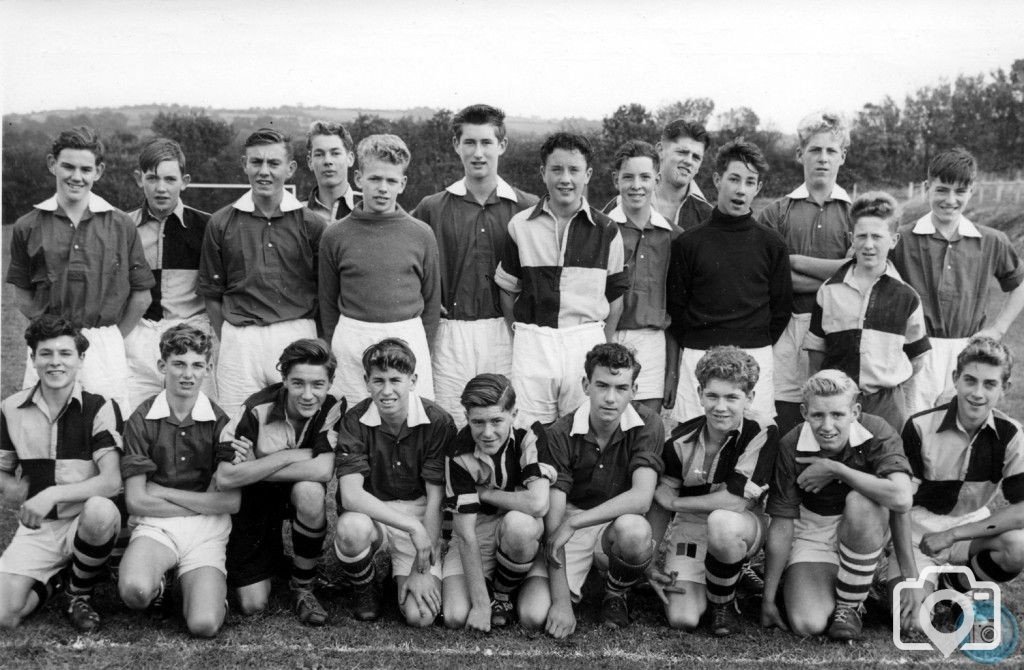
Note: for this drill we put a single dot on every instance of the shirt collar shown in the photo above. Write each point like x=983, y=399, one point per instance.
x=288, y=202
x=618, y=215
x=890, y=271
x=279, y=409
x=480, y=455
x=201, y=411
x=417, y=413
x=35, y=397
x=349, y=197
x=96, y=204
x=951, y=422
x=808, y=444
x=581, y=420
x=503, y=190
x=838, y=193
x=147, y=214
x=542, y=208
x=966, y=227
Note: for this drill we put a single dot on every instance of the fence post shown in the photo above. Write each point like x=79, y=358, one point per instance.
x=910, y=191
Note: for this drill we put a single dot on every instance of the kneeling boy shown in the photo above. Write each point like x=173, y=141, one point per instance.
x=180, y=520
x=717, y=468
x=498, y=492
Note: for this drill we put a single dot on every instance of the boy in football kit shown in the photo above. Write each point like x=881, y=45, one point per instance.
x=390, y=468
x=950, y=261
x=815, y=222
x=258, y=271
x=180, y=520
x=470, y=220
x=76, y=256
x=681, y=152
x=379, y=273
x=562, y=281
x=498, y=493
x=67, y=443
x=330, y=153
x=607, y=458
x=706, y=513
x=171, y=234
x=836, y=479
x=282, y=431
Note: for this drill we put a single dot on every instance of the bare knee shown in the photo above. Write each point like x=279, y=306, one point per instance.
x=533, y=604
x=134, y=591
x=1011, y=551
x=682, y=619
x=630, y=538
x=804, y=625
x=99, y=521
x=725, y=529
x=455, y=615
x=252, y=603
x=204, y=625
x=355, y=533
x=308, y=500
x=520, y=535
x=414, y=618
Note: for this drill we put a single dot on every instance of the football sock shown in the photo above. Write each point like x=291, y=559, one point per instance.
x=359, y=570
x=856, y=573
x=87, y=563
x=508, y=575
x=307, y=543
x=622, y=575
x=721, y=579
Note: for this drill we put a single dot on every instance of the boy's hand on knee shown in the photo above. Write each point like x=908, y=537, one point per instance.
x=933, y=543
x=479, y=618
x=34, y=510
x=425, y=595
x=771, y=617
x=662, y=583
x=557, y=541
x=561, y=621
x=910, y=605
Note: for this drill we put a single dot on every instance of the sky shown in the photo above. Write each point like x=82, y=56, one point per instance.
x=551, y=59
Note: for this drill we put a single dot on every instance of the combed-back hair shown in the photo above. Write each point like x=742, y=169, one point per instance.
x=488, y=390
x=392, y=353
x=728, y=364
x=264, y=136
x=829, y=383
x=329, y=128
x=386, y=148
x=878, y=204
x=745, y=152
x=682, y=128
x=160, y=149
x=635, y=149
x=79, y=137
x=183, y=338
x=954, y=166
x=987, y=351
x=479, y=115
x=566, y=142
x=823, y=121
x=50, y=326
x=308, y=351
x=613, y=356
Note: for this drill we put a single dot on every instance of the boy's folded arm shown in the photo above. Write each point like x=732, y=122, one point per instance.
x=143, y=498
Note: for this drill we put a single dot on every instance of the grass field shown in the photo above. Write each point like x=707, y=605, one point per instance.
x=278, y=640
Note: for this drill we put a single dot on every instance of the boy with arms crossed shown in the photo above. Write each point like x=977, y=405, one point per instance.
x=606, y=456
x=180, y=519
x=68, y=444
x=282, y=431
x=390, y=467
x=837, y=476
x=815, y=222
x=78, y=257
x=330, y=153
x=949, y=261
x=498, y=492
x=562, y=281
x=470, y=220
x=717, y=468
x=387, y=263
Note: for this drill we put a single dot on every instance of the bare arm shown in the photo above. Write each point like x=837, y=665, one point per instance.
x=532, y=501
x=211, y=501
x=106, y=484
x=141, y=502
x=611, y=324
x=315, y=469
x=561, y=621
x=776, y=555
x=1011, y=309
x=720, y=499
x=215, y=310
x=138, y=303
x=1002, y=520
x=903, y=544
x=805, y=283
x=635, y=500
x=815, y=359
x=508, y=301
x=892, y=491
x=671, y=371
x=815, y=268
x=472, y=567
x=236, y=475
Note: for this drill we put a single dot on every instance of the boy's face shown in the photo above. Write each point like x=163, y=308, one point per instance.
x=979, y=388
x=162, y=186
x=830, y=418
x=821, y=157
x=75, y=171
x=635, y=182
x=724, y=403
x=389, y=389
x=479, y=149
x=566, y=176
x=737, y=187
x=381, y=183
x=268, y=168
x=948, y=201
x=872, y=240
x=307, y=387
x=57, y=362
x=184, y=373
x=328, y=160
x=610, y=391
x=680, y=160
x=490, y=426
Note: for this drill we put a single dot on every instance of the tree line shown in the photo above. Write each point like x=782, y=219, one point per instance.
x=891, y=144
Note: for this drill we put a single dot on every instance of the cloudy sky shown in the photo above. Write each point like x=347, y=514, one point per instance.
x=551, y=58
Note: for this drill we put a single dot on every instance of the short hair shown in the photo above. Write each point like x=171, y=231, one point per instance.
x=566, y=142
x=879, y=204
x=79, y=137
x=307, y=351
x=613, y=356
x=390, y=353
x=823, y=121
x=160, y=149
x=829, y=383
x=329, y=128
x=183, y=338
x=488, y=390
x=386, y=148
x=50, y=326
x=479, y=115
x=635, y=149
x=745, y=152
x=682, y=128
x=954, y=166
x=987, y=351
x=264, y=136
x=728, y=364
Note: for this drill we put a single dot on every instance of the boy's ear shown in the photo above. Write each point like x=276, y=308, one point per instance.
x=138, y=177
x=856, y=411
x=358, y=178
x=803, y=411
x=161, y=365
x=455, y=142
x=292, y=167
x=51, y=164
x=760, y=185
x=99, y=171
x=716, y=178
x=895, y=238
x=186, y=179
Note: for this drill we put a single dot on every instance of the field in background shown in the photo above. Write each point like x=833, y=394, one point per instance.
x=277, y=639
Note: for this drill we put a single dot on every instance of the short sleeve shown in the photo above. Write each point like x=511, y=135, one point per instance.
x=1008, y=267
x=885, y=452
x=814, y=340
x=212, y=277
x=105, y=436
x=916, y=336
x=648, y=445
x=140, y=276
x=8, y=456
x=554, y=448
x=751, y=476
x=784, y=496
x=460, y=495
x=672, y=476
x=617, y=282
x=442, y=434
x=1013, y=468
x=529, y=461
x=322, y=442
x=136, y=459
x=509, y=273
x=19, y=273
x=351, y=454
